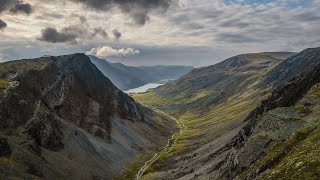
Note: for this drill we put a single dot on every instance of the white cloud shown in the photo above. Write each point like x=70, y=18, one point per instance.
x=108, y=51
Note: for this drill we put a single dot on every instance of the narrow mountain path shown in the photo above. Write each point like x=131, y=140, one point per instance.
x=169, y=146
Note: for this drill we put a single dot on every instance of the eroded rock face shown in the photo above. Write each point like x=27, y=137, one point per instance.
x=45, y=129
x=71, y=88
x=256, y=137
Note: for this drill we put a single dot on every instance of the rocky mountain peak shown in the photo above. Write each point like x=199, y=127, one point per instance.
x=65, y=106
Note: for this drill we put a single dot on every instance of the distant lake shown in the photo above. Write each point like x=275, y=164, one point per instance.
x=143, y=88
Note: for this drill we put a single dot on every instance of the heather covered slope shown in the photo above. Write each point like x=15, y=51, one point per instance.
x=128, y=77
x=60, y=117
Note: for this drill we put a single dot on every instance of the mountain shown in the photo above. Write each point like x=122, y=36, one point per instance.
x=252, y=116
x=280, y=137
x=238, y=124
x=128, y=77
x=61, y=118
x=293, y=66
x=205, y=87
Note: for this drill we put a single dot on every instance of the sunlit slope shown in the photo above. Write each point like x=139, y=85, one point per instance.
x=209, y=86
x=213, y=102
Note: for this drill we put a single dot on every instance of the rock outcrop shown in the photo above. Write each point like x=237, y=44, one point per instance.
x=62, y=115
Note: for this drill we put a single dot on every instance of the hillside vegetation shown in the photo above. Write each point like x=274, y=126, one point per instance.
x=246, y=118
x=212, y=102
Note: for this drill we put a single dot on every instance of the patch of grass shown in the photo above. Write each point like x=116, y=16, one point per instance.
x=132, y=169
x=22, y=65
x=149, y=99
x=315, y=91
x=4, y=83
x=298, y=157
x=202, y=125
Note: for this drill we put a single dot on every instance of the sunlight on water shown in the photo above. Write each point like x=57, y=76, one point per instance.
x=143, y=88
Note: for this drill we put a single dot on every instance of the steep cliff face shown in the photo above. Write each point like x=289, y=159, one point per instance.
x=293, y=66
x=71, y=117
x=275, y=120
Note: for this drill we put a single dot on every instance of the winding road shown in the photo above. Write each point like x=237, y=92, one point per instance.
x=174, y=138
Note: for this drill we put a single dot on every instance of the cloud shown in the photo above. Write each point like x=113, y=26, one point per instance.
x=52, y=35
x=2, y=24
x=236, y=26
x=107, y=51
x=6, y=4
x=236, y=38
x=14, y=7
x=21, y=8
x=99, y=31
x=82, y=18
x=70, y=34
x=138, y=10
x=116, y=34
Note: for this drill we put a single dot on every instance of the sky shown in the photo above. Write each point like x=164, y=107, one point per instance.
x=157, y=32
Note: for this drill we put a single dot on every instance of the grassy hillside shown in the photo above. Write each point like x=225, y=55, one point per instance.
x=294, y=133
x=212, y=102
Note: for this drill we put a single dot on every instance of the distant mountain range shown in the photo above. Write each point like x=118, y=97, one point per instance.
x=129, y=77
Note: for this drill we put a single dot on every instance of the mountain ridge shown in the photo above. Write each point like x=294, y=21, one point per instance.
x=62, y=118
x=130, y=77
x=221, y=98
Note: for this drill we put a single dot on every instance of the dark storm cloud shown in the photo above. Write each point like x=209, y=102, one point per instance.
x=2, y=24
x=6, y=4
x=116, y=34
x=21, y=8
x=70, y=34
x=137, y=9
x=52, y=35
x=15, y=7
